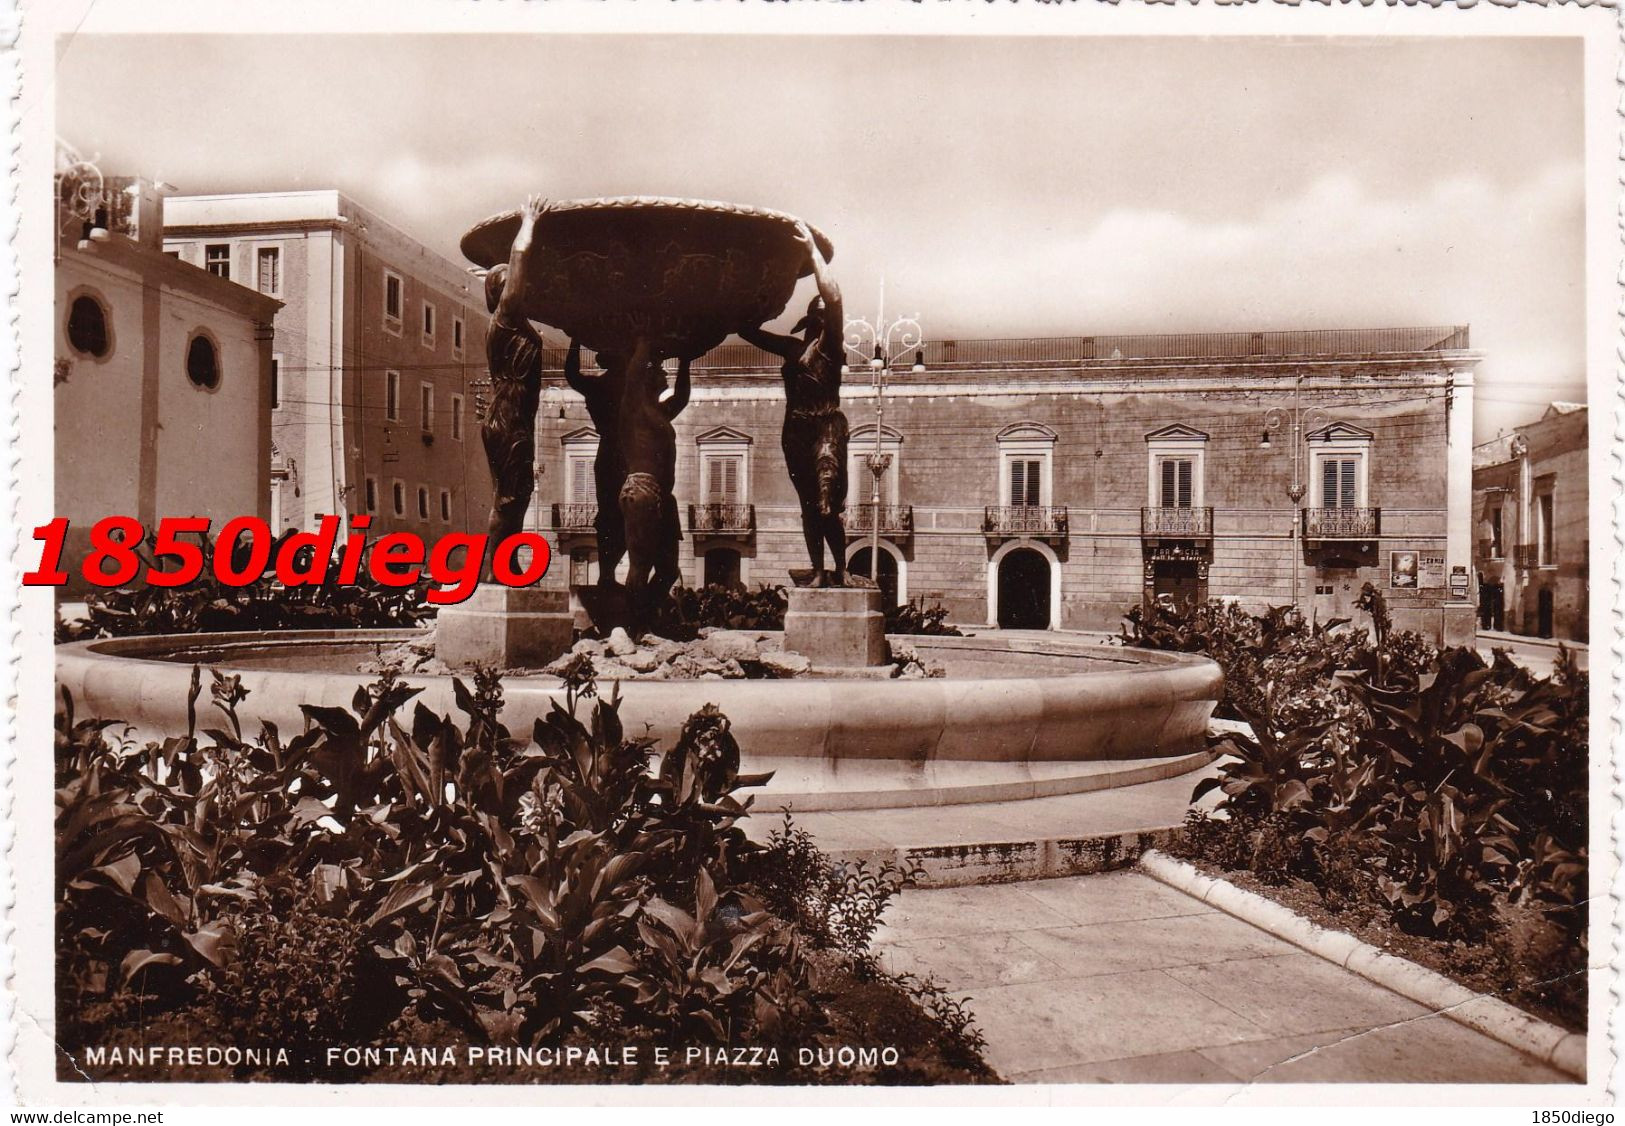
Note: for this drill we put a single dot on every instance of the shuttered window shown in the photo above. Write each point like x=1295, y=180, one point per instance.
x=270, y=270
x=1339, y=483
x=722, y=480
x=1026, y=484
x=583, y=490
x=1176, y=482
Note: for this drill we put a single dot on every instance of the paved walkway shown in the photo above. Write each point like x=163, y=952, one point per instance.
x=1116, y=978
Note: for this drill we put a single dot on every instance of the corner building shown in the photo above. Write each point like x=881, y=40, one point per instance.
x=1053, y=483
x=161, y=378
x=378, y=358
x=1531, y=503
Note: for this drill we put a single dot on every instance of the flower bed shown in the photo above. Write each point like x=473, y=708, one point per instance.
x=1434, y=796
x=378, y=878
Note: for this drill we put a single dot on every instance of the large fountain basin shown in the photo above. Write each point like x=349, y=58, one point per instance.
x=683, y=272
x=1004, y=700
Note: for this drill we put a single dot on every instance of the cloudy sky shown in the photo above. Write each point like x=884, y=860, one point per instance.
x=1001, y=186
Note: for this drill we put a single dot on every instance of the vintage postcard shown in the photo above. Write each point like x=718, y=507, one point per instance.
x=969, y=554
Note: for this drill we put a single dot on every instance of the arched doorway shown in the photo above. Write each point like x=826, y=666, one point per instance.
x=722, y=567
x=1024, y=590
x=887, y=578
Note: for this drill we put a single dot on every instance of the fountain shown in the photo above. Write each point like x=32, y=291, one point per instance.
x=1012, y=718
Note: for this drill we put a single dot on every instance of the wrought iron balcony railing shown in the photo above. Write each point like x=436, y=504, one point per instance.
x=722, y=519
x=895, y=519
x=1025, y=520
x=578, y=518
x=1526, y=555
x=1177, y=523
x=1341, y=523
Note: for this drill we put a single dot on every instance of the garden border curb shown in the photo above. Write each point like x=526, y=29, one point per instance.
x=1562, y=1049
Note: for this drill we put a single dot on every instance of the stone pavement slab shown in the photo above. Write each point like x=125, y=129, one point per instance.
x=1116, y=978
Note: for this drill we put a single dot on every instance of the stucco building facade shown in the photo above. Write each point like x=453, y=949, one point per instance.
x=1532, y=547
x=162, y=379
x=378, y=357
x=1053, y=483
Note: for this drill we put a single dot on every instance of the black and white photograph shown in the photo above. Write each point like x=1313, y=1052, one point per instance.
x=635, y=557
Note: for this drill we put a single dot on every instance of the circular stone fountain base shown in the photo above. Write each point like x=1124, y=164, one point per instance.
x=1012, y=717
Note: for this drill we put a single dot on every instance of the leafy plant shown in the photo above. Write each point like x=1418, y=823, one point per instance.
x=915, y=617
x=838, y=906
x=207, y=605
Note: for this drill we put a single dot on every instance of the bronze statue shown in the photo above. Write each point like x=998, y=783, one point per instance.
x=815, y=431
x=603, y=396
x=648, y=509
x=513, y=351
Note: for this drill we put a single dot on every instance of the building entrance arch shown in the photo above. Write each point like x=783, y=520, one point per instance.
x=1024, y=586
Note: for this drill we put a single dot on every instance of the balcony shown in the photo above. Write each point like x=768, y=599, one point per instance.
x=1176, y=523
x=575, y=519
x=724, y=520
x=896, y=520
x=1322, y=524
x=1526, y=556
x=1015, y=521
x=1488, y=551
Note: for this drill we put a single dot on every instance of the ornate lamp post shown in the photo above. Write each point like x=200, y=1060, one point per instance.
x=878, y=345
x=1302, y=421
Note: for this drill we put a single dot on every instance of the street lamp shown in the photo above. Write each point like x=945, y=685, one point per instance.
x=1302, y=421
x=878, y=344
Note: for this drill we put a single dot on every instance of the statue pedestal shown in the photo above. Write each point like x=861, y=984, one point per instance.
x=509, y=627
x=836, y=626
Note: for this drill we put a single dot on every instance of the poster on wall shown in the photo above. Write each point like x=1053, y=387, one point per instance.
x=1430, y=571
x=1402, y=568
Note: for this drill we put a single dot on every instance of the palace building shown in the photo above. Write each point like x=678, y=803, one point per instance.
x=377, y=362
x=1053, y=483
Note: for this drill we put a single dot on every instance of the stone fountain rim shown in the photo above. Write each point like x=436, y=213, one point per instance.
x=646, y=203
x=139, y=647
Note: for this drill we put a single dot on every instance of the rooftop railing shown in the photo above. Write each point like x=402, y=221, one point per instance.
x=992, y=351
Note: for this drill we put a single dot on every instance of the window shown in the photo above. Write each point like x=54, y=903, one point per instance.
x=445, y=505
x=724, y=466
x=426, y=406
x=1026, y=482
x=269, y=270
x=1339, y=487
x=202, y=363
x=87, y=327
x=1545, y=530
x=457, y=418
x=428, y=324
x=392, y=300
x=580, y=486
x=1174, y=482
x=276, y=382
x=1026, y=461
x=217, y=259
x=457, y=336
x=398, y=495
x=1497, y=551
x=722, y=478
x=423, y=503
x=1340, y=457
x=1177, y=454
x=392, y=395
x=372, y=494
x=859, y=448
